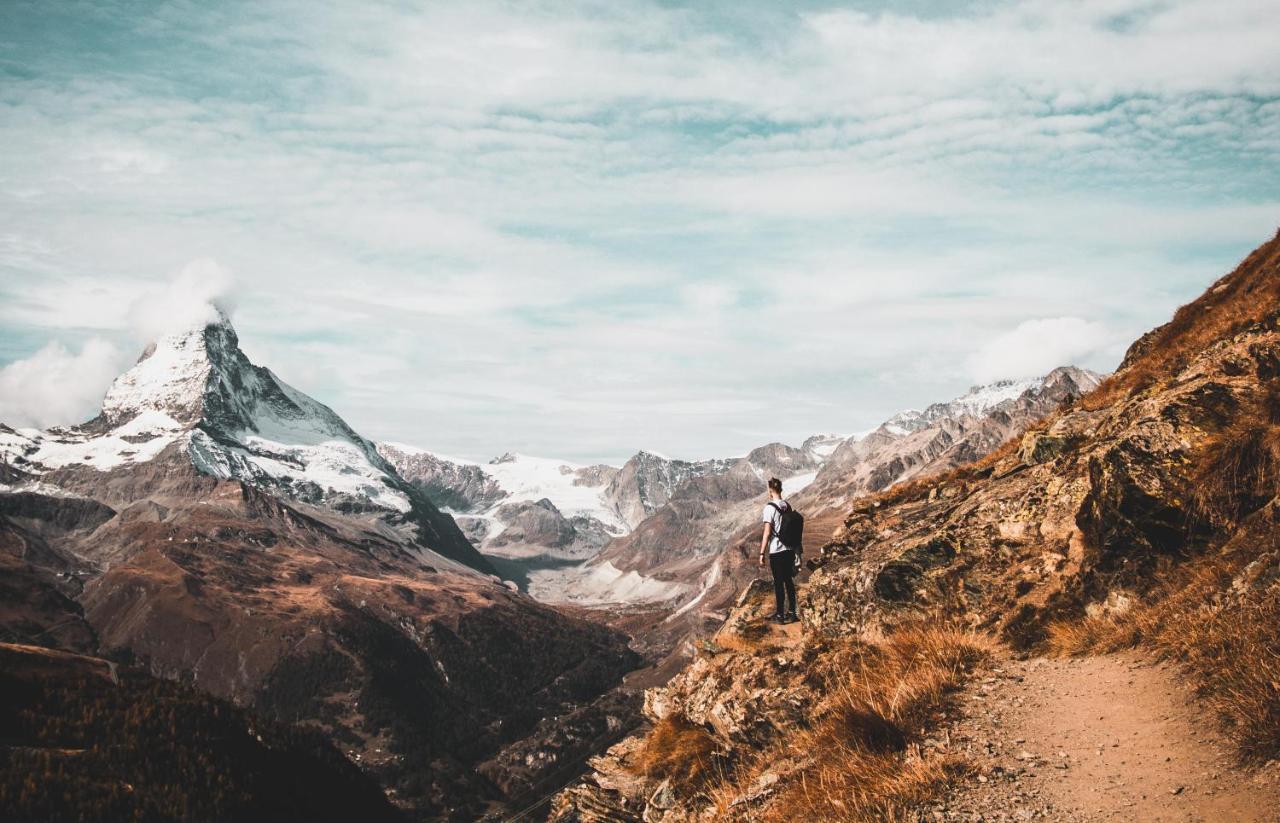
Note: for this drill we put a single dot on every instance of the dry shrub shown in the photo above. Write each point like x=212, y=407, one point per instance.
x=852, y=785
x=1231, y=644
x=680, y=751
x=1240, y=474
x=860, y=758
x=1090, y=634
x=907, y=677
x=918, y=488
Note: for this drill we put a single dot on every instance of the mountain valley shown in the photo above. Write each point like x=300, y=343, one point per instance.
x=470, y=635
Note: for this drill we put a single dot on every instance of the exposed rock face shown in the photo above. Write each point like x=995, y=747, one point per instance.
x=462, y=487
x=647, y=480
x=1089, y=509
x=538, y=523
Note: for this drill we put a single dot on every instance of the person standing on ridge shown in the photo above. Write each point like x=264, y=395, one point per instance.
x=782, y=542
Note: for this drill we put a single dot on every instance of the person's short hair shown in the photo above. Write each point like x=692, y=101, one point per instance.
x=775, y=485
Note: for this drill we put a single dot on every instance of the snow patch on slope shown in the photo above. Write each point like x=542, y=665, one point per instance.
x=601, y=584
x=529, y=479
x=137, y=441
x=332, y=467
x=982, y=399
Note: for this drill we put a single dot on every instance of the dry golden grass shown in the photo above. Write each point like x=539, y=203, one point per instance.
x=679, y=751
x=918, y=488
x=1241, y=468
x=1231, y=645
x=860, y=758
x=1248, y=295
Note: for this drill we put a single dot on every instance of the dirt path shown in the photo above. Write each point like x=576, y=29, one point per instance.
x=1098, y=738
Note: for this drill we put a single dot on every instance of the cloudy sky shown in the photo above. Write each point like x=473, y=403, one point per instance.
x=581, y=229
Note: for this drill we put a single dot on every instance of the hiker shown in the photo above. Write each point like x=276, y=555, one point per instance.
x=781, y=541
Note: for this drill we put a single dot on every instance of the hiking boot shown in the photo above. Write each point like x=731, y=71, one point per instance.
x=791, y=617
x=777, y=618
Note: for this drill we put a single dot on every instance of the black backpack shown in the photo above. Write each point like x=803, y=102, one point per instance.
x=791, y=527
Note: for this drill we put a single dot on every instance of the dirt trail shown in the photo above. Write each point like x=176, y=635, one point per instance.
x=1098, y=738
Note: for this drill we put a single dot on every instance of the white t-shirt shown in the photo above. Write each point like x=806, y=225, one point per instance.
x=772, y=515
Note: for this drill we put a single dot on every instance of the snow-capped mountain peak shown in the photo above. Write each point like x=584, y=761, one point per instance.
x=981, y=400
x=194, y=399
x=170, y=377
x=197, y=389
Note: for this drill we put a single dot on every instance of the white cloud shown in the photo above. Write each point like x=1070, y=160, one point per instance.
x=566, y=229
x=1035, y=347
x=191, y=298
x=56, y=386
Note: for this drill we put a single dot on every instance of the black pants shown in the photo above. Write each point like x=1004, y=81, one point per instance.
x=783, y=566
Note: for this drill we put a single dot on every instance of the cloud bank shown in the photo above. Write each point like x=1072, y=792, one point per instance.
x=578, y=229
x=56, y=386
x=1035, y=347
x=192, y=298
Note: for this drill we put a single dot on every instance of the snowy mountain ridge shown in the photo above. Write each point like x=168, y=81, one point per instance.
x=978, y=401
x=516, y=504
x=195, y=393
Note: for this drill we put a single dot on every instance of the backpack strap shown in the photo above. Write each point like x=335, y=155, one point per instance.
x=781, y=512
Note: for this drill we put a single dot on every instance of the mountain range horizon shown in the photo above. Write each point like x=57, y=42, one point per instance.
x=216, y=313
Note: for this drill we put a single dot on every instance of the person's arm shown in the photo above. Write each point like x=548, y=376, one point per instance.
x=764, y=541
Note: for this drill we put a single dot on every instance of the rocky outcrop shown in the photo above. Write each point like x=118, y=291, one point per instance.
x=462, y=487
x=647, y=481
x=536, y=523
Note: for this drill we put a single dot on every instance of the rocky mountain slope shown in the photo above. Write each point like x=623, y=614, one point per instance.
x=1145, y=511
x=667, y=556
x=518, y=506
x=515, y=505
x=215, y=526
